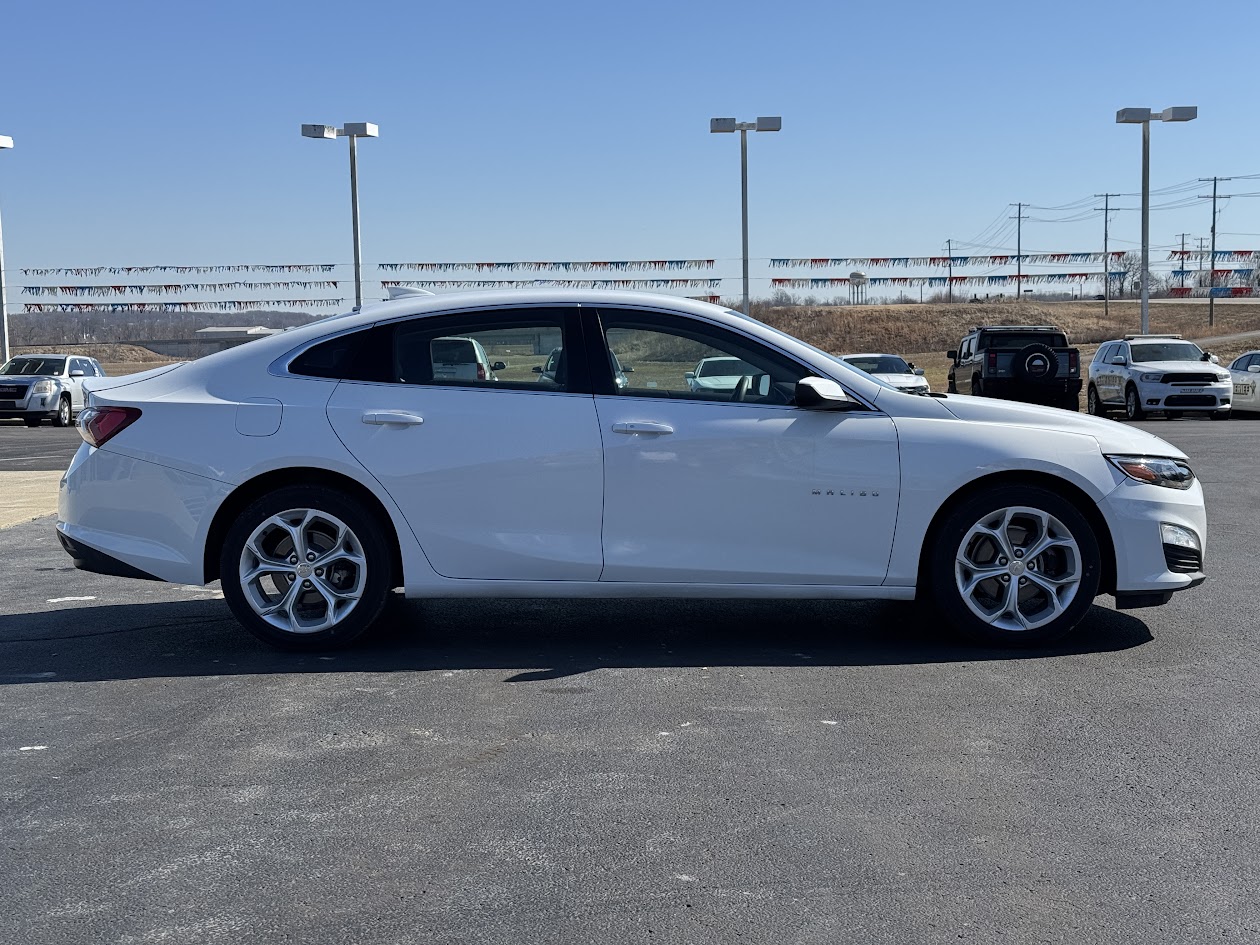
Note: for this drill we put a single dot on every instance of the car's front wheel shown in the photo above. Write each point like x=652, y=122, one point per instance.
x=305, y=568
x=62, y=417
x=1133, y=404
x=1015, y=566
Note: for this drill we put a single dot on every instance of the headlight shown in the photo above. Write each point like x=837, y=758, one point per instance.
x=42, y=387
x=1155, y=470
x=1222, y=377
x=1151, y=378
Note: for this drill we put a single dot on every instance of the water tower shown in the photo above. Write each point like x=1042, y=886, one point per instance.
x=857, y=288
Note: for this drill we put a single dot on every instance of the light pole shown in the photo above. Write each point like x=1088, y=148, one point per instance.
x=727, y=125
x=5, y=143
x=353, y=130
x=1144, y=117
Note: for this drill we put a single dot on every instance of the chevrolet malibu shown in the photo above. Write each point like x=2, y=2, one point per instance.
x=313, y=471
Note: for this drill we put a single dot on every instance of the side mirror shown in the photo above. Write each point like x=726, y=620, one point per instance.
x=1254, y=369
x=821, y=393
x=1214, y=359
x=690, y=375
x=499, y=366
x=76, y=373
x=918, y=371
x=952, y=355
x=537, y=369
x=1119, y=359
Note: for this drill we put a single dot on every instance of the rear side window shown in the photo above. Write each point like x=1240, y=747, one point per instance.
x=364, y=355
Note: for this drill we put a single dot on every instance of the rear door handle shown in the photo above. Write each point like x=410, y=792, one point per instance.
x=388, y=417
x=640, y=426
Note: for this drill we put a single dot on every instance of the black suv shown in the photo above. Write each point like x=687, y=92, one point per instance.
x=1032, y=363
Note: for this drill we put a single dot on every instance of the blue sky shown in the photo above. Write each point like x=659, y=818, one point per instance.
x=164, y=133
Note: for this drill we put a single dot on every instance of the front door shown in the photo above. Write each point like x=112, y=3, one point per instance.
x=715, y=486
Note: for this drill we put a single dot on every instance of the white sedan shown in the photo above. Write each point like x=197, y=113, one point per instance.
x=718, y=375
x=891, y=369
x=1245, y=373
x=314, y=470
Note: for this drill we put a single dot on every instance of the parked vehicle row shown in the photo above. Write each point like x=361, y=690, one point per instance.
x=39, y=387
x=314, y=470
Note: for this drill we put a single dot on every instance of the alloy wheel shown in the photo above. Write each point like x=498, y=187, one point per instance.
x=1018, y=568
x=303, y=571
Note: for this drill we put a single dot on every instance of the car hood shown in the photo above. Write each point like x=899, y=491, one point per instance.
x=1181, y=367
x=1112, y=437
x=902, y=380
x=27, y=378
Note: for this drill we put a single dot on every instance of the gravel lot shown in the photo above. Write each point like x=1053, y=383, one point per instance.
x=534, y=771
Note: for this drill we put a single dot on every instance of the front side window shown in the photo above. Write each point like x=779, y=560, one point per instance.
x=679, y=358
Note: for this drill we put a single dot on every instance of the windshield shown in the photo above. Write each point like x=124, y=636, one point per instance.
x=53, y=366
x=880, y=364
x=1022, y=339
x=725, y=367
x=1167, y=351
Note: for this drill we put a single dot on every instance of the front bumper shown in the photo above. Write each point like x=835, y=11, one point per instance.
x=43, y=406
x=1206, y=398
x=1147, y=573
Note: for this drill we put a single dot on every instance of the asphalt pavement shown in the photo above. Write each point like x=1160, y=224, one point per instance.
x=654, y=771
x=36, y=449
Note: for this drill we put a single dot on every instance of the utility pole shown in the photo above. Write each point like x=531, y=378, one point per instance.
x=1202, y=241
x=1182, y=277
x=1212, y=255
x=1106, y=209
x=1019, y=251
x=949, y=283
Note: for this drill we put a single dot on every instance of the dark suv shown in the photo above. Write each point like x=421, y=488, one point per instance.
x=1032, y=363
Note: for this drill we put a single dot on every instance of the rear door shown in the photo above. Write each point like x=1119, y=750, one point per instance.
x=498, y=479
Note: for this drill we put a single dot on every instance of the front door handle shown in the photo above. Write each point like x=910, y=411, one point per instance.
x=640, y=426
x=389, y=417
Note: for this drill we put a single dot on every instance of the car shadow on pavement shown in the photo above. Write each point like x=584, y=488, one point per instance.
x=530, y=640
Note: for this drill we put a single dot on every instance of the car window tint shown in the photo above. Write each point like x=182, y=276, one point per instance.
x=358, y=356
x=506, y=350
x=662, y=356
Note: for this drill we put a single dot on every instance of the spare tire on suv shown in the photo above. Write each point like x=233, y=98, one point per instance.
x=1035, y=363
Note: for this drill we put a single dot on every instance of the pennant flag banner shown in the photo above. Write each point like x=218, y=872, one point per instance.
x=619, y=266
x=233, y=306
x=183, y=270
x=1220, y=292
x=562, y=283
x=1221, y=255
x=172, y=288
x=882, y=262
x=1245, y=274
x=715, y=299
x=1039, y=278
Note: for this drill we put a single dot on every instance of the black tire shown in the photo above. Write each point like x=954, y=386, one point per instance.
x=1071, y=402
x=1034, y=512
x=977, y=386
x=1094, y=403
x=1035, y=364
x=1220, y=414
x=1172, y=414
x=62, y=417
x=32, y=422
x=371, y=579
x=1133, y=404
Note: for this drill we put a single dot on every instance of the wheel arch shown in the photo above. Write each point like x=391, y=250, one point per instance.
x=260, y=485
x=1073, y=493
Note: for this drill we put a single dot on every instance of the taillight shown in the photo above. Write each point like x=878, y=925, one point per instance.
x=1073, y=361
x=481, y=371
x=98, y=425
x=992, y=360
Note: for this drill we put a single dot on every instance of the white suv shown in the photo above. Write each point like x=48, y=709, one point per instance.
x=1143, y=373
x=39, y=387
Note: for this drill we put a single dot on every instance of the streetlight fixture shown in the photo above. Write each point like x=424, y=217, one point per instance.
x=353, y=130
x=1144, y=117
x=726, y=126
x=5, y=143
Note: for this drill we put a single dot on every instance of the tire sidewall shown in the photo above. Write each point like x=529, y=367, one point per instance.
x=62, y=418
x=941, y=575
x=1094, y=404
x=360, y=520
x=1132, y=403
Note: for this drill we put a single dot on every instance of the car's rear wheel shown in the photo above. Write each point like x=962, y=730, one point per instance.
x=1015, y=566
x=62, y=417
x=305, y=568
x=1133, y=404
